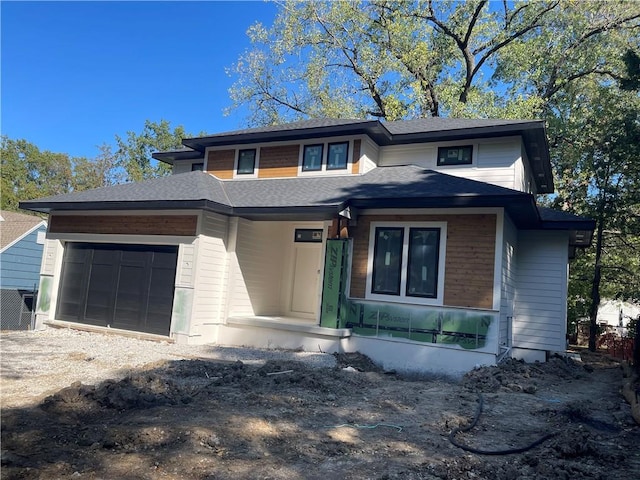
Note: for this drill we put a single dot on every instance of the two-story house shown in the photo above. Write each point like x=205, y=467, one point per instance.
x=418, y=243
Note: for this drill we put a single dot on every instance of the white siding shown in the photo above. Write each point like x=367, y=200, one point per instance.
x=52, y=248
x=255, y=273
x=508, y=284
x=369, y=153
x=495, y=161
x=181, y=167
x=210, y=263
x=541, y=291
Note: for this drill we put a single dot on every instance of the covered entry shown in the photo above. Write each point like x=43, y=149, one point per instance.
x=122, y=286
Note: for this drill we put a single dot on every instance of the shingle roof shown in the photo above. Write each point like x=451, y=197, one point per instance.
x=402, y=182
x=14, y=225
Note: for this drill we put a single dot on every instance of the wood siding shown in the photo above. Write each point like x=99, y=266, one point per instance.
x=220, y=163
x=470, y=256
x=125, y=224
x=279, y=161
x=355, y=166
x=541, y=292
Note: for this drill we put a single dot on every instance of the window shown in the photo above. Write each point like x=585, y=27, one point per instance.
x=407, y=262
x=312, y=158
x=337, y=156
x=455, y=155
x=246, y=161
x=197, y=167
x=387, y=261
x=422, y=267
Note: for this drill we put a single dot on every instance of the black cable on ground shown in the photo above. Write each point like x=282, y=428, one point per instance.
x=478, y=451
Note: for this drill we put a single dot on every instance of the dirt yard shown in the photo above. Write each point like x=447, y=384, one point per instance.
x=283, y=419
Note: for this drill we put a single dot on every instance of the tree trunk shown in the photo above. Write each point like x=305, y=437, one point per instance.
x=595, y=286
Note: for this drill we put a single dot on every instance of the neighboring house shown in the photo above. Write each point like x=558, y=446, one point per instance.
x=418, y=243
x=22, y=239
x=615, y=315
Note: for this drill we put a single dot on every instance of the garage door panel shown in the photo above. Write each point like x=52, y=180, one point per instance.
x=128, y=286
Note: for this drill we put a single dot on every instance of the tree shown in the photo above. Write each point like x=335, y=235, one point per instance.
x=28, y=172
x=133, y=153
x=423, y=58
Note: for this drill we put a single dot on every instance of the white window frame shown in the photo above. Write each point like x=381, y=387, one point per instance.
x=403, y=297
x=324, y=171
x=256, y=164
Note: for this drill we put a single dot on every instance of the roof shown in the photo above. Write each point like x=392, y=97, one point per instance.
x=15, y=226
x=385, y=133
x=313, y=197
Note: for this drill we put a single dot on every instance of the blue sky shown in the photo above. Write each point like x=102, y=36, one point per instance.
x=75, y=74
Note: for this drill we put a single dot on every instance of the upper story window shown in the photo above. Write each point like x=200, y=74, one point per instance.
x=197, y=167
x=322, y=158
x=406, y=262
x=455, y=155
x=338, y=156
x=246, y=161
x=312, y=158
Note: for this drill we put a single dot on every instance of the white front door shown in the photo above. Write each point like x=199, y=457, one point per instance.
x=306, y=274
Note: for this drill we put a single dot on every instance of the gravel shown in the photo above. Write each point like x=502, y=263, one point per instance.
x=38, y=363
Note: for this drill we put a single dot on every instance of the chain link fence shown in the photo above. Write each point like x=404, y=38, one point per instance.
x=17, y=309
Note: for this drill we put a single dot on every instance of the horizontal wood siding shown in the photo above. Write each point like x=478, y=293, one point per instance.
x=220, y=163
x=256, y=274
x=541, y=291
x=355, y=166
x=211, y=265
x=125, y=224
x=470, y=256
x=20, y=263
x=279, y=161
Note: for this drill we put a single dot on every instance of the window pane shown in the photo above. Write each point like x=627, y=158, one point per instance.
x=337, y=157
x=312, y=158
x=246, y=161
x=454, y=155
x=197, y=167
x=422, y=271
x=387, y=260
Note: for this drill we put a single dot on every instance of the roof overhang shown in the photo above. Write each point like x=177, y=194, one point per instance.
x=373, y=128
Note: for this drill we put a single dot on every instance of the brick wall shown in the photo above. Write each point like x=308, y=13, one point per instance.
x=125, y=224
x=469, y=263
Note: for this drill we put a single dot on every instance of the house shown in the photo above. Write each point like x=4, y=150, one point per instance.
x=22, y=239
x=418, y=243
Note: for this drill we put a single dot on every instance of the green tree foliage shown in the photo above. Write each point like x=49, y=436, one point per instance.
x=133, y=153
x=423, y=58
x=28, y=172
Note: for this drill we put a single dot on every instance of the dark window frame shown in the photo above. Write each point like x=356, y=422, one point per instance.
x=445, y=159
x=245, y=171
x=376, y=247
x=409, y=262
x=197, y=167
x=346, y=156
x=305, y=167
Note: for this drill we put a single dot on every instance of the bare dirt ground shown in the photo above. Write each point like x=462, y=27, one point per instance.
x=283, y=419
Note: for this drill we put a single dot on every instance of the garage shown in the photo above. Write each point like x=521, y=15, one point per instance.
x=121, y=286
